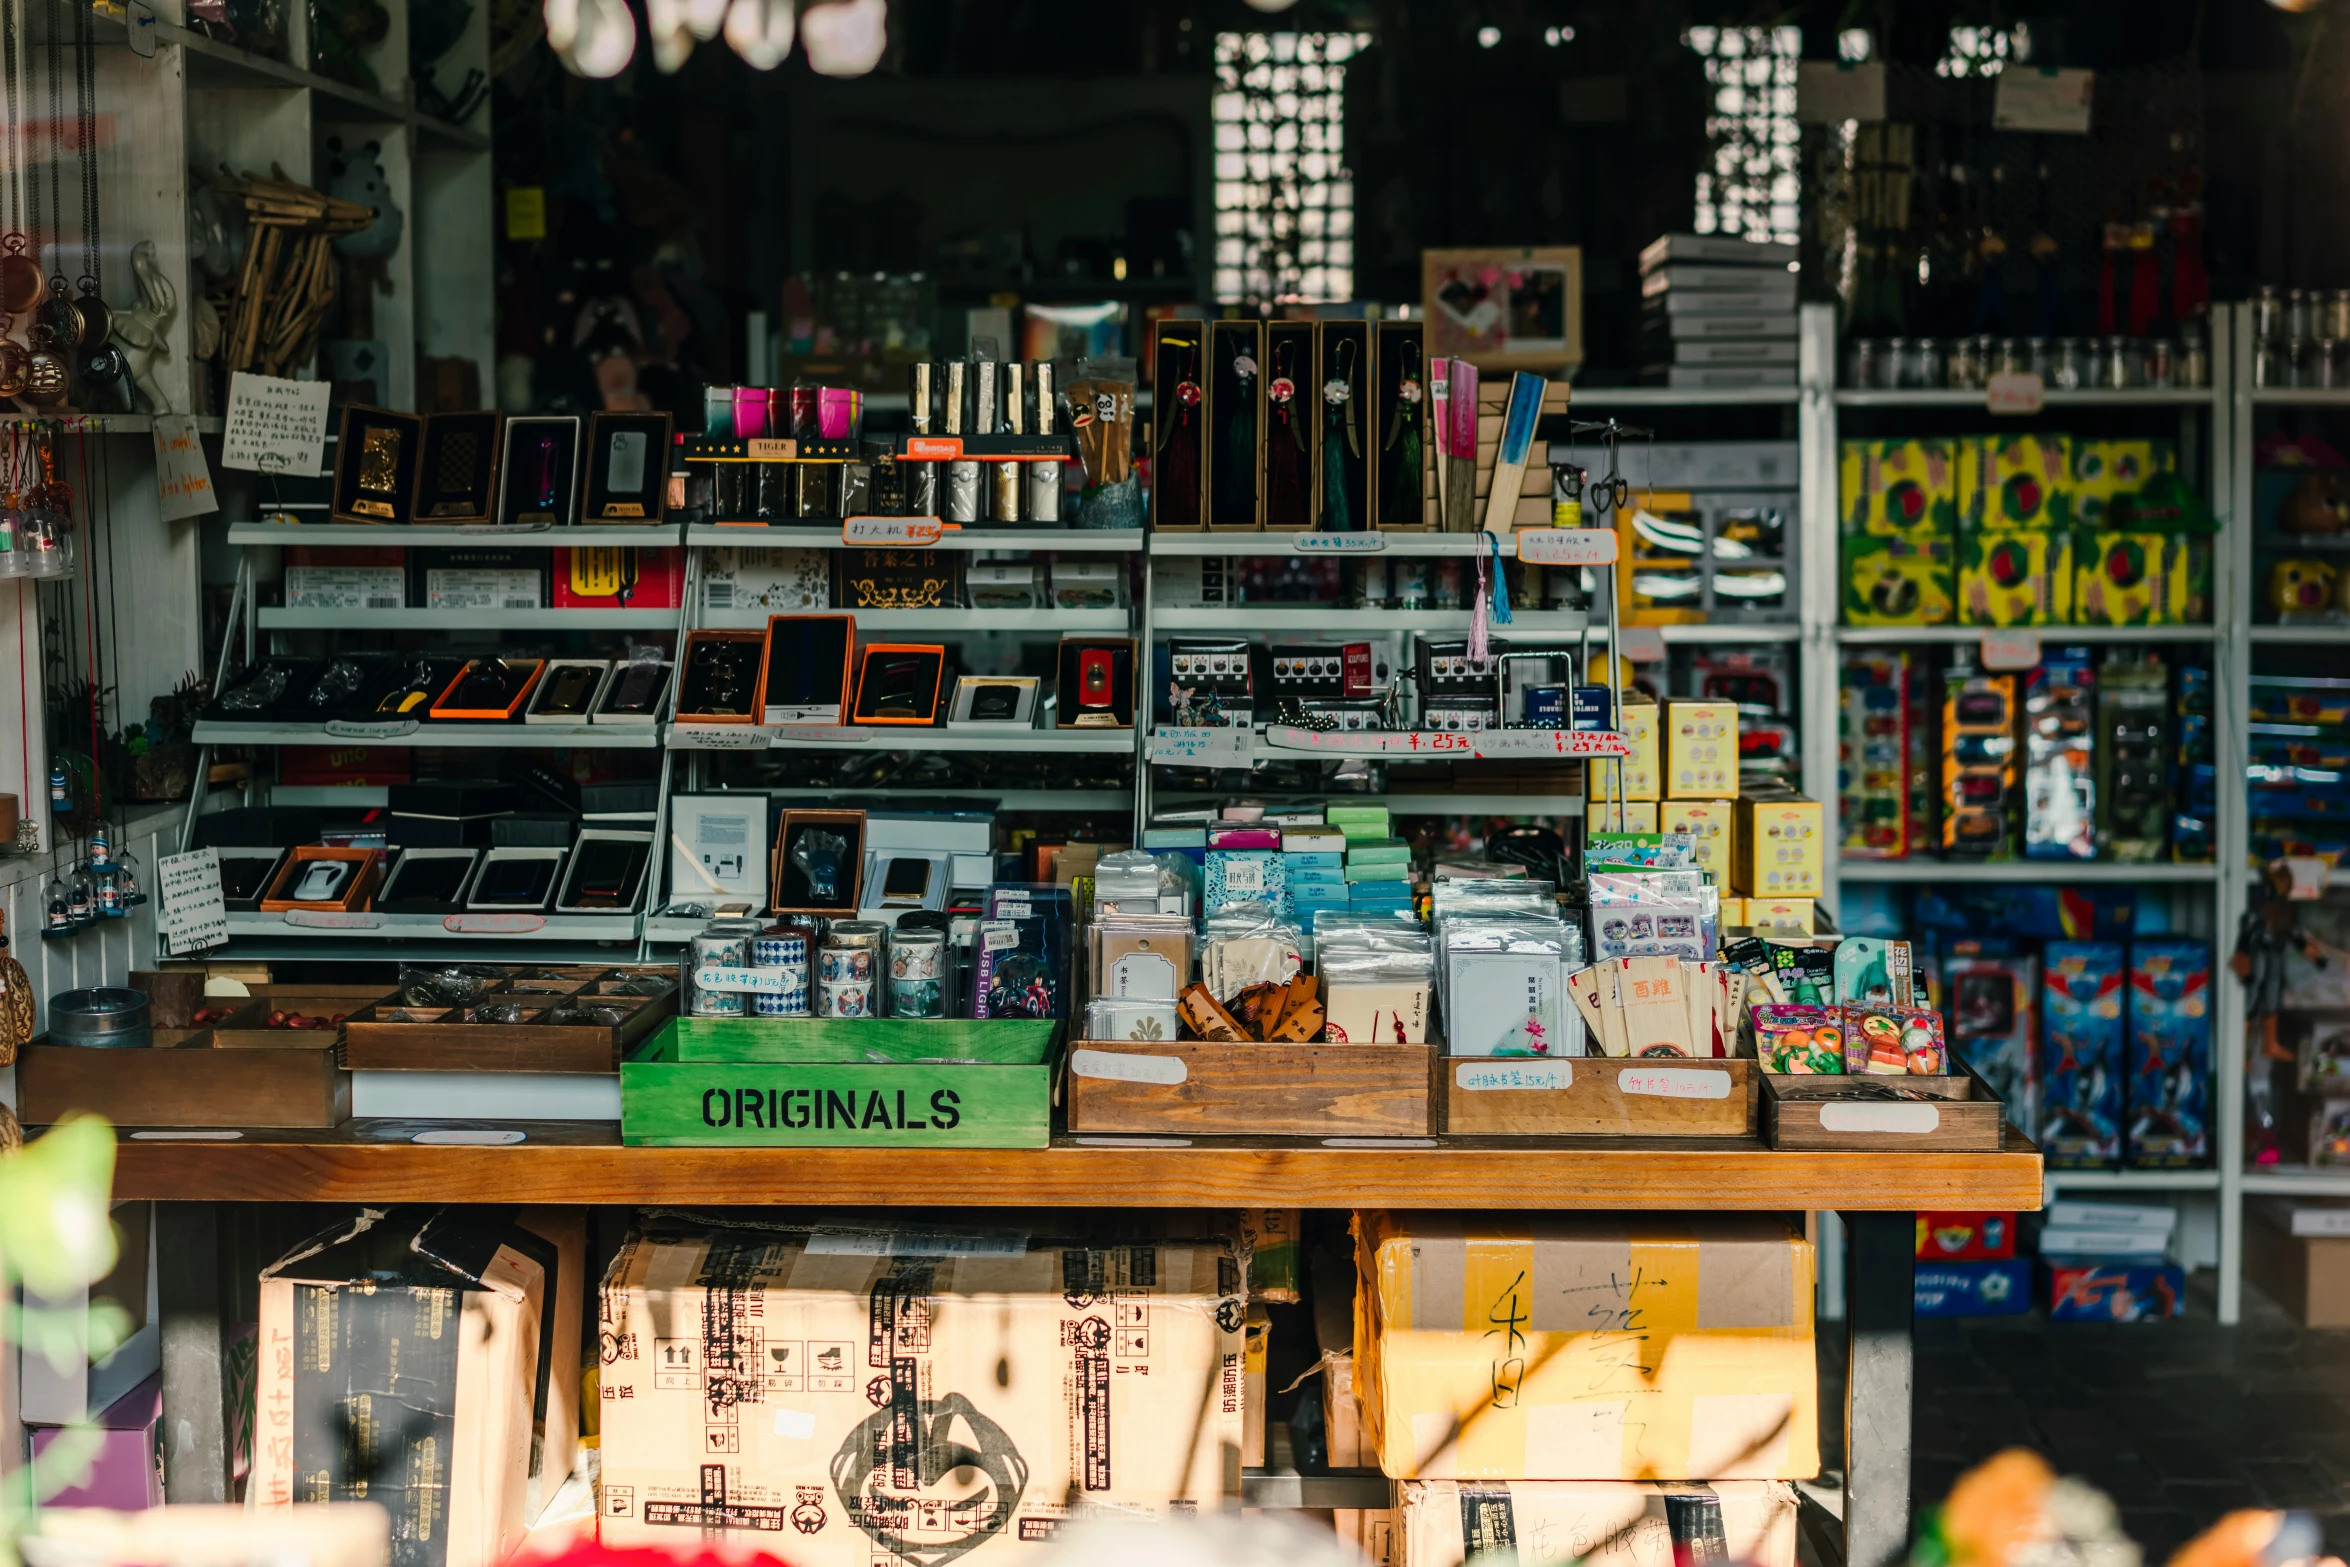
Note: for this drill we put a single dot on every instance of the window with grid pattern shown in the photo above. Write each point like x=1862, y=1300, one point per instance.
x=1750, y=189
x=1284, y=196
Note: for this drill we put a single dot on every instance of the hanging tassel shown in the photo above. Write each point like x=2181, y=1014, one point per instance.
x=1335, y=517
x=1501, y=582
x=1408, y=465
x=1480, y=645
x=1178, y=476
x=1237, y=468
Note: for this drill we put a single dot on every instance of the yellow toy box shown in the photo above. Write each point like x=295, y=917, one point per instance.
x=1640, y=772
x=1707, y=822
x=2015, y=579
x=1776, y=843
x=2014, y=483
x=2118, y=578
x=1701, y=750
x=1898, y=489
x=1899, y=582
x=2104, y=471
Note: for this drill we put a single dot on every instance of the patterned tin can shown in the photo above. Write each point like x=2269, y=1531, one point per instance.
x=713, y=949
x=918, y=974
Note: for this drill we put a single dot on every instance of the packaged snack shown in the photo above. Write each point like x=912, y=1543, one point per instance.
x=1805, y=1041
x=1894, y=1042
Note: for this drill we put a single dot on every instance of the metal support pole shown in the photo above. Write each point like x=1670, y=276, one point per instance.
x=1879, y=1291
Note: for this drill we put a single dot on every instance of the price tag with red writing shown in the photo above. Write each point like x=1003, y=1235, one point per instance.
x=2011, y=650
x=2015, y=394
x=1567, y=546
x=494, y=924
x=891, y=530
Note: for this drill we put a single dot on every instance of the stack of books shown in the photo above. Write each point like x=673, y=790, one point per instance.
x=1717, y=313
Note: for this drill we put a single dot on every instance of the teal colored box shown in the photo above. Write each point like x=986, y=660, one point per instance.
x=1366, y=891
x=1399, y=873
x=1312, y=859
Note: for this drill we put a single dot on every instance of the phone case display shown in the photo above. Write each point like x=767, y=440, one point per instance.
x=2169, y=1103
x=1342, y=376
x=1979, y=775
x=376, y=456
x=316, y=878
x=819, y=863
x=606, y=873
x=994, y=702
x=1293, y=426
x=2081, y=1067
x=806, y=666
x=489, y=688
x=1095, y=687
x=457, y=477
x=569, y=690
x=627, y=468
x=516, y=880
x=1235, y=425
x=2133, y=734
x=1991, y=1001
x=2060, y=756
x=538, y=480
x=428, y=881
x=898, y=683
x=637, y=689
x=1398, y=412
x=718, y=849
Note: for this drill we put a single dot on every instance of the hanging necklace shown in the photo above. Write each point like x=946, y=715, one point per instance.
x=1338, y=420
x=20, y=274
x=1178, y=465
x=101, y=364
x=1285, y=449
x=59, y=325
x=1403, y=435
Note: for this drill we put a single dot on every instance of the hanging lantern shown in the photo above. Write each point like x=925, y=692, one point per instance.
x=593, y=38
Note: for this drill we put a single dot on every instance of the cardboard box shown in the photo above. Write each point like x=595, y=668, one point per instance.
x=2167, y=1109
x=1061, y=1377
x=1607, y=1524
x=2015, y=483
x=1641, y=772
x=1371, y=1531
x=2081, y=989
x=1256, y=1350
x=453, y=1316
x=1724, y=1384
x=48, y=1396
x=1898, y=489
x=2015, y=579
x=1776, y=843
x=1899, y=582
x=1346, y=1434
x=1701, y=750
x=2115, y=1291
x=1707, y=822
x=2308, y=1275
x=754, y=578
x=1973, y=1289
x=618, y=576
x=126, y=1472
x=351, y=1534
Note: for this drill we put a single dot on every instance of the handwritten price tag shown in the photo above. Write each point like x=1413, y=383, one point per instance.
x=494, y=924
x=1674, y=1082
x=370, y=729
x=1118, y=1067
x=1492, y=742
x=1337, y=543
x=183, y=482
x=330, y=919
x=1486, y=1076
x=933, y=448
x=2015, y=394
x=1567, y=546
x=891, y=530
x=774, y=980
x=2011, y=650
x=1187, y=746
x=721, y=737
x=825, y=734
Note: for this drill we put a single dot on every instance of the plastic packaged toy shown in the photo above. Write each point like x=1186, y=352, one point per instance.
x=2170, y=1054
x=2081, y=1054
x=1894, y=1042
x=1804, y=1041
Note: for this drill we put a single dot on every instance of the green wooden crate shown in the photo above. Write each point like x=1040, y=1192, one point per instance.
x=665, y=1102
x=870, y=1041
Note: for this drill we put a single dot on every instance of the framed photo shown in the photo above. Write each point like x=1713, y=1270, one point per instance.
x=627, y=468
x=1504, y=308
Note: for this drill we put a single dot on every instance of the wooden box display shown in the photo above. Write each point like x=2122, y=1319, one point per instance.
x=1235, y=427
x=296, y=1080
x=355, y=894
x=1395, y=427
x=250, y=1028
x=1293, y=427
x=392, y=1036
x=376, y=456
x=457, y=481
x=1958, y=1113
x=1192, y=1088
x=1597, y=1096
x=627, y=468
x=1178, y=426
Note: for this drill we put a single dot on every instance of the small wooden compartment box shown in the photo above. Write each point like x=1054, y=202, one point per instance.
x=1598, y=1096
x=518, y=1024
x=249, y=1027
x=1958, y=1114
x=1194, y=1088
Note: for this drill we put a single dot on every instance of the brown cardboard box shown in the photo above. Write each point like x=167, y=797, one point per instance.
x=1342, y=1416
x=1600, y=1524
x=1256, y=1351
x=2308, y=1275
x=1724, y=1384
x=1371, y=1532
x=802, y=1393
x=351, y=1534
x=455, y=1345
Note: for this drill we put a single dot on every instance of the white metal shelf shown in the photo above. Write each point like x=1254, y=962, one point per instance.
x=2131, y=397
x=359, y=535
x=1279, y=620
x=2301, y=397
x=891, y=737
x=2129, y=1181
x=1680, y=397
x=278, y=617
x=1961, y=871
x=2306, y=636
x=1032, y=621
x=2050, y=636
x=2296, y=1181
x=1728, y=633
x=1001, y=799
x=487, y=736
x=1288, y=543
x=429, y=927
x=718, y=535
x=1415, y=804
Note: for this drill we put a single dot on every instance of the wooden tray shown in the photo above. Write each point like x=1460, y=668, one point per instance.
x=248, y=1027
x=1597, y=1096
x=1822, y=1114
x=295, y=1081
x=390, y=1036
x=1195, y=1089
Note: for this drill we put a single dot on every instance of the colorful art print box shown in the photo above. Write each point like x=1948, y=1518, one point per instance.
x=1966, y=1237
x=2119, y=579
x=1706, y=824
x=2015, y=483
x=1973, y=1289
x=1991, y=1007
x=1899, y=582
x=1776, y=846
x=2015, y=579
x=1899, y=489
x=2114, y=1292
x=2106, y=471
x=618, y=576
x=1798, y=1039
x=1724, y=1384
x=1244, y=876
x=2169, y=1101
x=2082, y=983
x=1701, y=750
x=1894, y=1042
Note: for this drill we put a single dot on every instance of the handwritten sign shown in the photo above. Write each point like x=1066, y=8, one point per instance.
x=1232, y=745
x=2043, y=100
x=2011, y=650
x=494, y=924
x=1487, y=1076
x=821, y=734
x=1567, y=546
x=891, y=530
x=1337, y=543
x=774, y=981
x=721, y=737
x=1490, y=743
x=370, y=728
x=2015, y=392
x=195, y=915
x=333, y=919
x=1674, y=1082
x=275, y=425
x=183, y=481
x=1115, y=1066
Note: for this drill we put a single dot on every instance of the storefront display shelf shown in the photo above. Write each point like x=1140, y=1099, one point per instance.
x=2050, y=636
x=2087, y=397
x=347, y=535
x=1342, y=545
x=1283, y=620
x=2131, y=1181
x=2300, y=397
x=1426, y=802
x=2050, y=871
x=2303, y=636
x=467, y=619
x=911, y=737
x=1047, y=622
x=2295, y=1181
x=574, y=928
x=706, y=535
x=536, y=737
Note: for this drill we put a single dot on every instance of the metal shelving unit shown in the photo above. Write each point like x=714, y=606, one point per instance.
x=2051, y=636
x=2101, y=872
x=490, y=737
x=487, y=621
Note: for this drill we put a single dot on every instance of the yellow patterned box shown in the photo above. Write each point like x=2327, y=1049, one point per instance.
x=1701, y=750
x=2013, y=483
x=1707, y=822
x=1776, y=846
x=2104, y=471
x=1586, y=1346
x=1638, y=815
x=1642, y=771
x=1782, y=916
x=1898, y=489
x=1733, y=913
x=2015, y=579
x=1898, y=582
x=2118, y=578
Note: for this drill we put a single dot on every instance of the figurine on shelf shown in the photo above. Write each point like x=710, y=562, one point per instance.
x=140, y=333
x=2268, y=931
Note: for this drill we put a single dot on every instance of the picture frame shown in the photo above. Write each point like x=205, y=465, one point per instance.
x=898, y=683
x=790, y=890
x=1509, y=307
x=627, y=478
x=457, y=472
x=797, y=684
x=1096, y=683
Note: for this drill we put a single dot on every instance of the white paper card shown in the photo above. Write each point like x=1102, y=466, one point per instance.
x=275, y=425
x=183, y=480
x=195, y=915
x=1829, y=93
x=1118, y=1067
x=2043, y=100
x=1220, y=746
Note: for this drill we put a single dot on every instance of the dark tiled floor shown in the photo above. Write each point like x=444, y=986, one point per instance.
x=2177, y=1421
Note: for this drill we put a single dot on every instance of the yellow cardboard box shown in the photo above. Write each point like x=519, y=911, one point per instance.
x=1782, y=916
x=1776, y=844
x=1586, y=1346
x=1604, y=1523
x=1733, y=912
x=790, y=1391
x=1639, y=816
x=1641, y=772
x=1701, y=750
x=2015, y=483
x=1898, y=489
x=1707, y=822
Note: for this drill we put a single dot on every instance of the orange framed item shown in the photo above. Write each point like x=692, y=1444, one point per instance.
x=904, y=687
x=793, y=688
x=354, y=893
x=445, y=706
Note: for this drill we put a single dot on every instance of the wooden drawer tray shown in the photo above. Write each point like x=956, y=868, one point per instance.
x=1597, y=1096
x=296, y=1080
x=249, y=1028
x=1195, y=1089
x=392, y=1036
x=1959, y=1115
